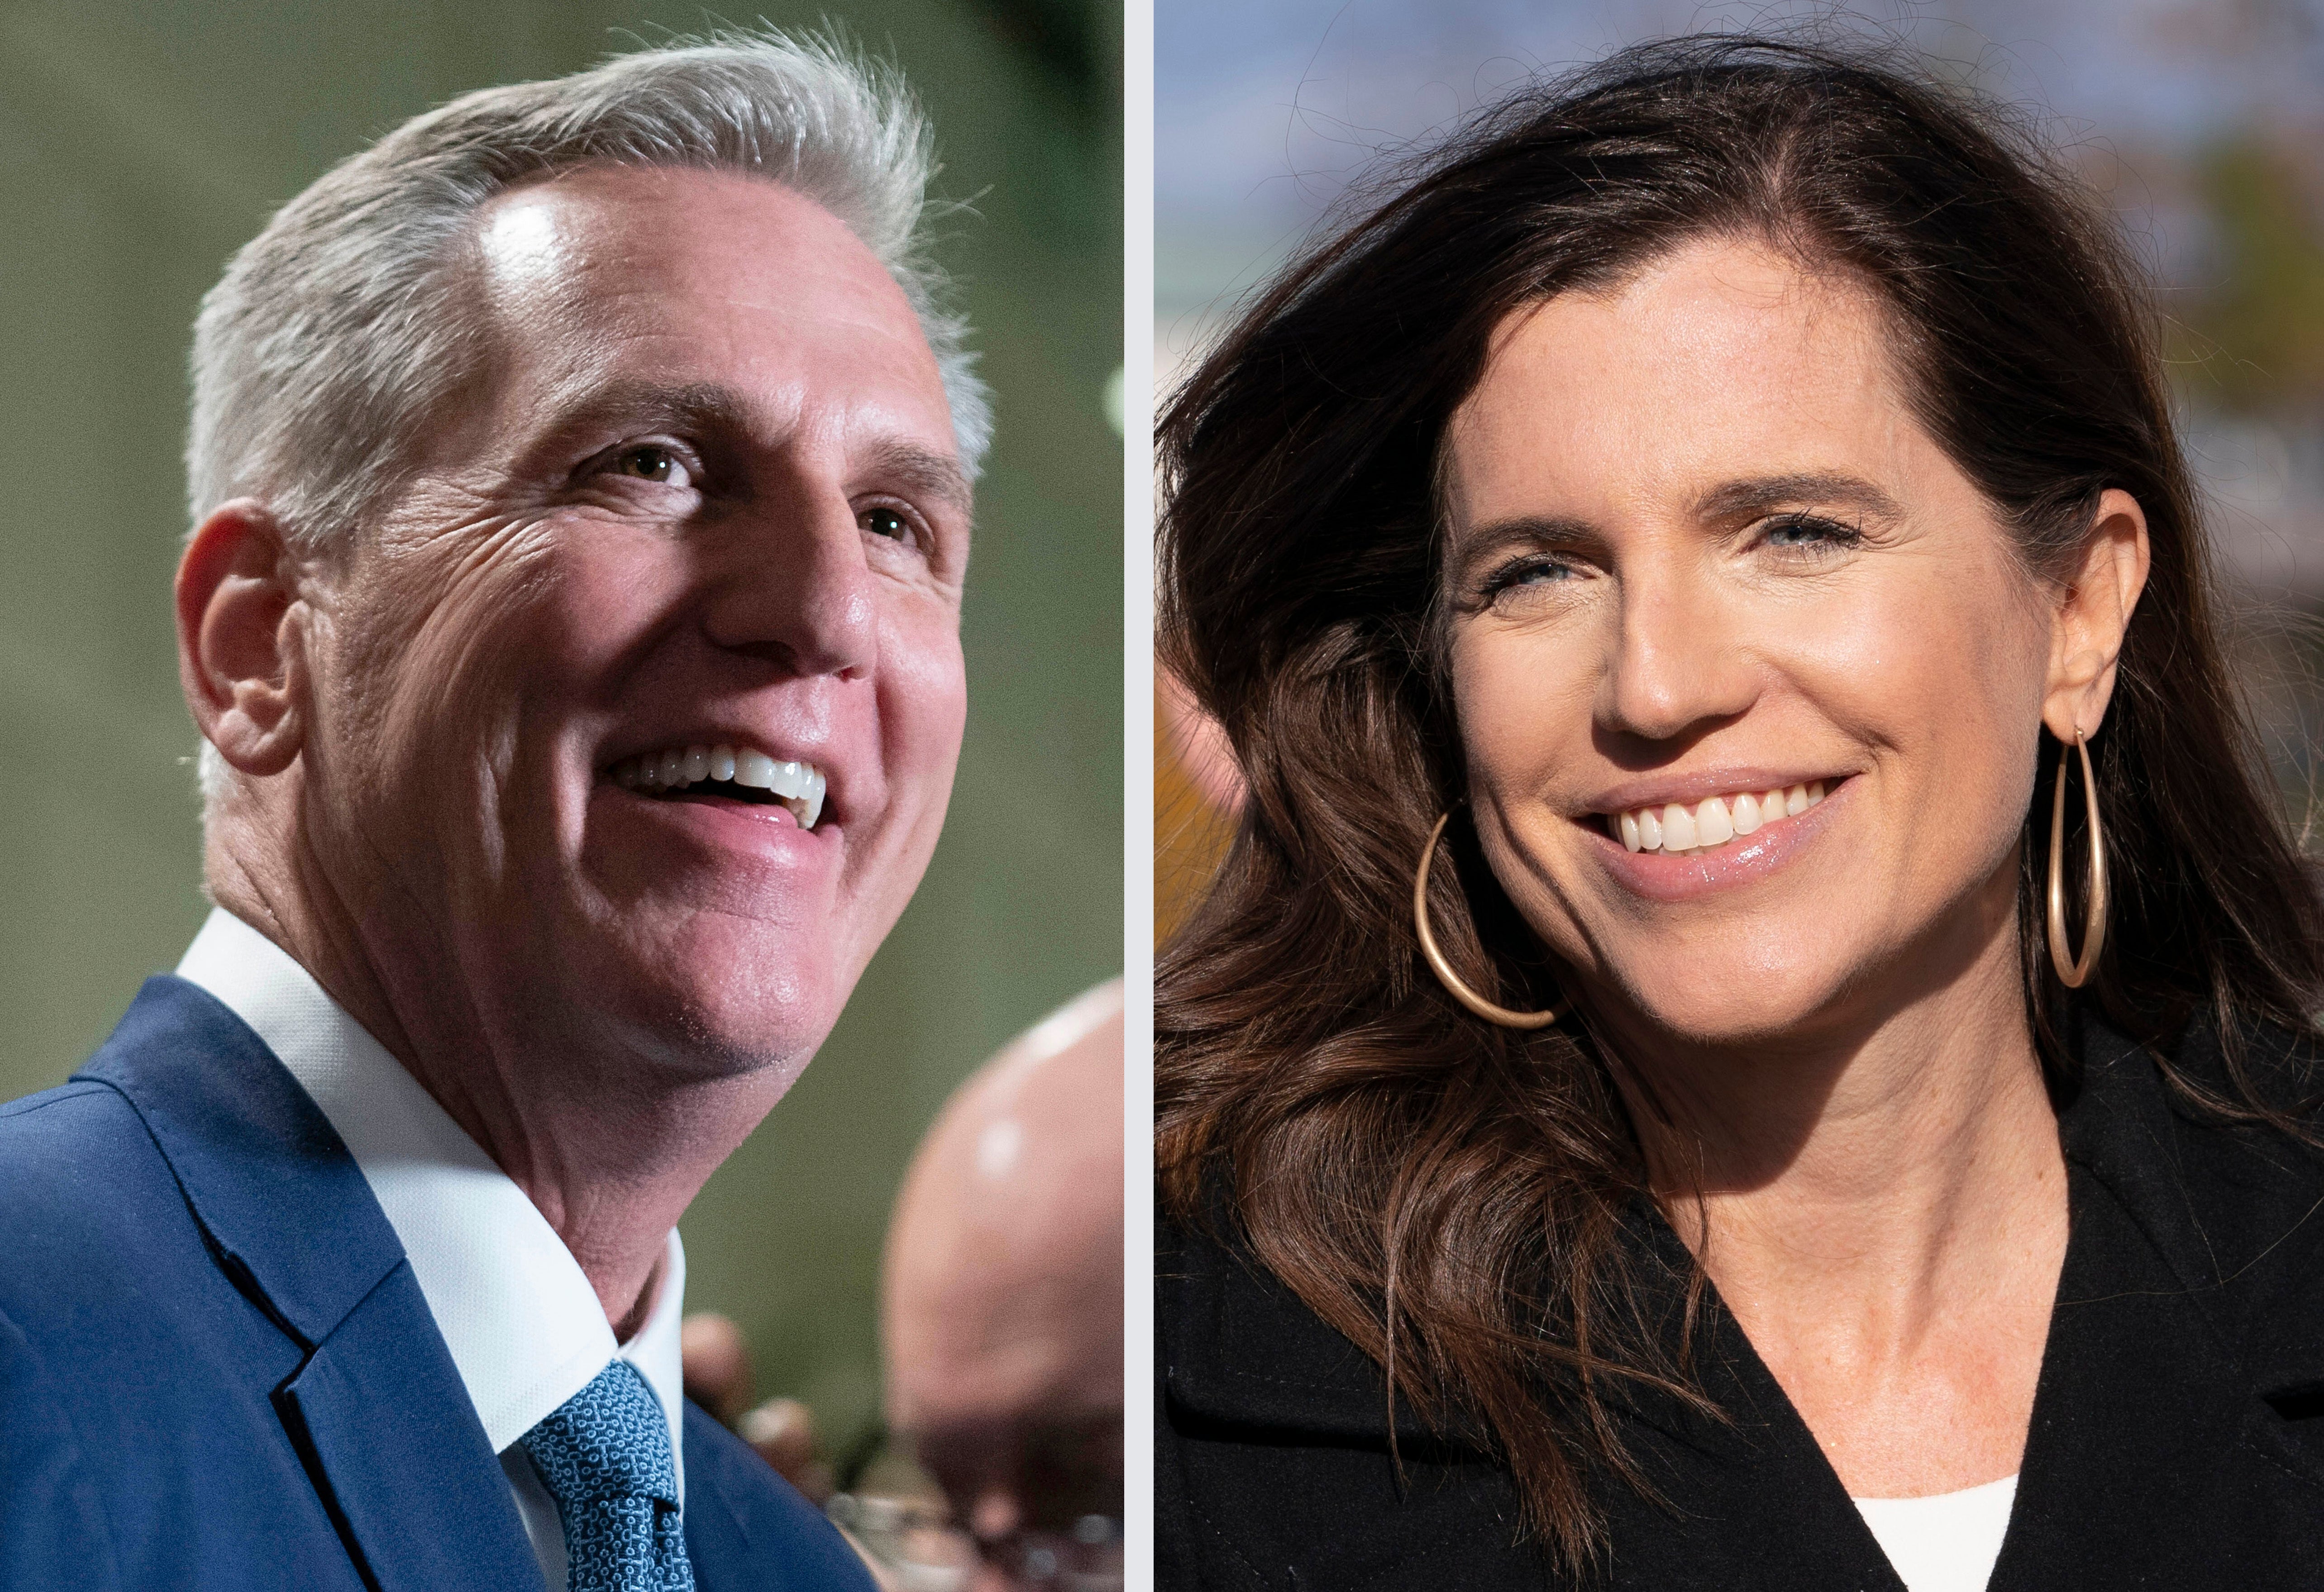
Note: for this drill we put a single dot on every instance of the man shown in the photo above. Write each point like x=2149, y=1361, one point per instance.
x=1001, y=1308
x=581, y=480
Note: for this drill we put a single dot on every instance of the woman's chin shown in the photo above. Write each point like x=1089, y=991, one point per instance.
x=1716, y=1009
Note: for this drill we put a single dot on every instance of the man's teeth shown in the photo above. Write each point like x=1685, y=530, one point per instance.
x=1714, y=821
x=798, y=786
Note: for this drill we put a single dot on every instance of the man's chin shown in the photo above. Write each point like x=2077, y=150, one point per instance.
x=709, y=1004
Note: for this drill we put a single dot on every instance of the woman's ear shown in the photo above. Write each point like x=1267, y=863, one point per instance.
x=2092, y=614
x=241, y=637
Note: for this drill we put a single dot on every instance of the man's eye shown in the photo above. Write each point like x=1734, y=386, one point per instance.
x=650, y=461
x=887, y=523
x=1807, y=531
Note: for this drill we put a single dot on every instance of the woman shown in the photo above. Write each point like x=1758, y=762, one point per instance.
x=1665, y=1092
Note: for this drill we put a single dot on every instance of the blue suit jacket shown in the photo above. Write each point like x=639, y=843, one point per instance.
x=216, y=1369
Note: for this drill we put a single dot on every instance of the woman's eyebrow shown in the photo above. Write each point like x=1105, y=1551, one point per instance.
x=1525, y=530
x=1736, y=500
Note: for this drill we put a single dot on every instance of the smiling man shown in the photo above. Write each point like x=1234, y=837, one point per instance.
x=581, y=484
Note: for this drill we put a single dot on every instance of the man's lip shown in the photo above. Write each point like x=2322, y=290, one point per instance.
x=730, y=825
x=1689, y=790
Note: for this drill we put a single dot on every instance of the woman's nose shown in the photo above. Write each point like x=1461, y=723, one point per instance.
x=1676, y=660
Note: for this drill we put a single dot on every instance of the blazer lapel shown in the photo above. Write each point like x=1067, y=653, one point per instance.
x=376, y=1412
x=2156, y=1456
x=1716, y=1526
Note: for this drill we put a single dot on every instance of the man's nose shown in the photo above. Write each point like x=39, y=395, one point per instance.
x=789, y=580
x=1675, y=662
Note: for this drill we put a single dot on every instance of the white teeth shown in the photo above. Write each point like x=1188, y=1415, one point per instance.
x=1711, y=825
x=1713, y=821
x=798, y=786
x=1678, y=829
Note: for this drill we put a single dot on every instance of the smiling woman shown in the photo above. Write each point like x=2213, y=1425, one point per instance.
x=1635, y=1105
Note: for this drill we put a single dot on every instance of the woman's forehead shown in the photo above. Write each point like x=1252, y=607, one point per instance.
x=1723, y=360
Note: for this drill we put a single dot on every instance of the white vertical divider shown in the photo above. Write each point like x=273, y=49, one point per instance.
x=1138, y=783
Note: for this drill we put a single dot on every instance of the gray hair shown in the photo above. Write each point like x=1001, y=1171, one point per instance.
x=338, y=332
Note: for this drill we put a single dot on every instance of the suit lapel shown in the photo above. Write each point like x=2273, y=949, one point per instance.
x=376, y=1412
x=390, y=1434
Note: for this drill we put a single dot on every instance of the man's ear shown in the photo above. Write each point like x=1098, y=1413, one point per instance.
x=241, y=637
x=2092, y=616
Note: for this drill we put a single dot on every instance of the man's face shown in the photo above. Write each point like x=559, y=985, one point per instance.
x=710, y=500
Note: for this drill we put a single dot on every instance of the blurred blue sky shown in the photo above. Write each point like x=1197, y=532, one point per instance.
x=1264, y=110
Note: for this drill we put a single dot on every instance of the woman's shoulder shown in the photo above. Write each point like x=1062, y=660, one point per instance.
x=2215, y=1153
x=1238, y=1348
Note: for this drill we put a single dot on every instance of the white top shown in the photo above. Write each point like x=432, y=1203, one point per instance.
x=525, y=1328
x=1946, y=1544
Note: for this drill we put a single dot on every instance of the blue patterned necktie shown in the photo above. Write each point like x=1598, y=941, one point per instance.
x=604, y=1457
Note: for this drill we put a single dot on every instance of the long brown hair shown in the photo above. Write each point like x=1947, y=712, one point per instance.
x=1449, y=1195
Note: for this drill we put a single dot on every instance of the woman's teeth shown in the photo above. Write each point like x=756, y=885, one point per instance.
x=798, y=786
x=1714, y=821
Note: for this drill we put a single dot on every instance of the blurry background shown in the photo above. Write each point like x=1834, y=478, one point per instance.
x=2200, y=121
x=139, y=144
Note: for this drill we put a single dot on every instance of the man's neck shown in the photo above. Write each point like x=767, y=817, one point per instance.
x=610, y=1150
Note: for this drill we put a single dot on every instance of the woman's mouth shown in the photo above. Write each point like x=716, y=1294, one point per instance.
x=1711, y=822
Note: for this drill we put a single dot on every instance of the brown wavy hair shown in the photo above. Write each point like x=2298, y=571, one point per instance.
x=1449, y=1195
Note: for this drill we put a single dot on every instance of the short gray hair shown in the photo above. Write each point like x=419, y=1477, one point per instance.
x=336, y=332
x=340, y=330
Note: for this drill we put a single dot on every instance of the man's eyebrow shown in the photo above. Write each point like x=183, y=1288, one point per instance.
x=1738, y=500
x=712, y=408
x=696, y=407
x=921, y=472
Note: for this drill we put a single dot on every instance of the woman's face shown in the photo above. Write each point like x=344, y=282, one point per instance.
x=1703, y=553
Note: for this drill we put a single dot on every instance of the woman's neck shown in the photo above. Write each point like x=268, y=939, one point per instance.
x=1883, y=1212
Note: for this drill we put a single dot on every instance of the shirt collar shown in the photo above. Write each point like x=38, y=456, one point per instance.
x=525, y=1328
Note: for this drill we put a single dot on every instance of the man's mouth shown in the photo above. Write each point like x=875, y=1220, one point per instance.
x=738, y=774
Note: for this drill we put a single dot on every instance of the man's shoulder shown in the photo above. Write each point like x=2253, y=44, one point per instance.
x=77, y=1160
x=746, y=1526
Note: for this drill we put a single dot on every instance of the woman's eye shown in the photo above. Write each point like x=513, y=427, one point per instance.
x=650, y=461
x=887, y=523
x=1528, y=572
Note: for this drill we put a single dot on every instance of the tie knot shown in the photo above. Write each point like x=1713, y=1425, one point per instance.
x=609, y=1440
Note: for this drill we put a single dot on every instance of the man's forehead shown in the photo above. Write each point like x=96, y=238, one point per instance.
x=705, y=300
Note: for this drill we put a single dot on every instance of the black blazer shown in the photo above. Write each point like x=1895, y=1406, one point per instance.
x=2176, y=1440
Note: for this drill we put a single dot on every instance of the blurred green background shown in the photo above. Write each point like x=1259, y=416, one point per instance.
x=141, y=145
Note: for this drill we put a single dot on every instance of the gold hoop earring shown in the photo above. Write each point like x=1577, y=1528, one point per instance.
x=1444, y=969
x=2074, y=974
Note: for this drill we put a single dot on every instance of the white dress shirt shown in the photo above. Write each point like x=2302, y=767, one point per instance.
x=524, y=1327
x=1944, y=1543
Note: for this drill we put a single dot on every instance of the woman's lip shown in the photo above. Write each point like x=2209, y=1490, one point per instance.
x=1662, y=876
